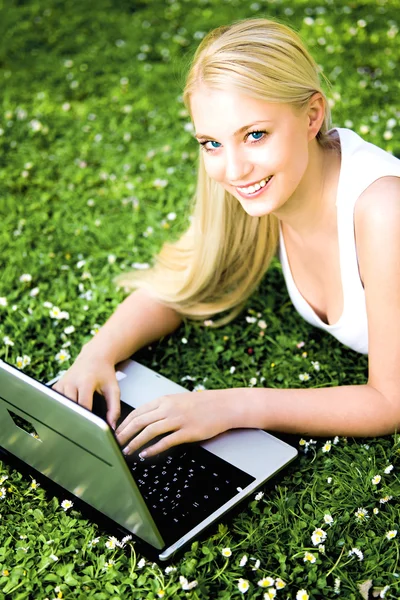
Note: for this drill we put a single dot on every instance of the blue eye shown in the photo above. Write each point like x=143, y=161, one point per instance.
x=257, y=135
x=217, y=144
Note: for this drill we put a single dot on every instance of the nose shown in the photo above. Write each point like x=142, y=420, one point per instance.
x=237, y=167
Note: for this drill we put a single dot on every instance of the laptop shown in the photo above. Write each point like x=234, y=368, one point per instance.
x=165, y=501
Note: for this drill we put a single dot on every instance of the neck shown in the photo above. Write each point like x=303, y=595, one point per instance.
x=309, y=209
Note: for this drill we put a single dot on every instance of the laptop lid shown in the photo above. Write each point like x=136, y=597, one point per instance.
x=77, y=449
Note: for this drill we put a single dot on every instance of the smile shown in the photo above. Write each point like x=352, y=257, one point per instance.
x=255, y=187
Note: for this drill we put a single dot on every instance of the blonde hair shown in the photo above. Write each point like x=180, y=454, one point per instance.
x=220, y=260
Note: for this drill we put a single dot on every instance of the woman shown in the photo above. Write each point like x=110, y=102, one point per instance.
x=270, y=174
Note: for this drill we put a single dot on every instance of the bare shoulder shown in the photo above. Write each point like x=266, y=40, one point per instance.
x=377, y=223
x=379, y=203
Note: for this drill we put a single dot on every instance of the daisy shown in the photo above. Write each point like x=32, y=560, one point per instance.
x=111, y=543
x=34, y=484
x=170, y=570
x=328, y=519
x=304, y=376
x=376, y=479
x=185, y=583
x=2, y=493
x=3, y=301
x=318, y=536
x=227, y=552
x=62, y=357
x=161, y=593
x=243, y=585
x=302, y=595
x=108, y=565
x=258, y=496
x=388, y=469
x=279, y=584
x=243, y=560
x=327, y=446
x=391, y=534
x=361, y=514
x=375, y=511
x=270, y=594
x=93, y=542
x=141, y=563
x=66, y=504
x=53, y=557
x=357, y=552
x=383, y=591
x=309, y=557
x=25, y=278
x=266, y=582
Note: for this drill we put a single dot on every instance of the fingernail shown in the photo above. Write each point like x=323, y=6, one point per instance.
x=113, y=425
x=126, y=450
x=143, y=454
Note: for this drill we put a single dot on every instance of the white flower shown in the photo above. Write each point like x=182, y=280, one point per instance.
x=53, y=557
x=337, y=583
x=304, y=376
x=336, y=440
x=160, y=183
x=111, y=543
x=171, y=216
x=232, y=370
x=125, y=540
x=8, y=341
x=253, y=381
x=316, y=365
x=383, y=591
x=66, y=504
x=62, y=357
x=170, y=570
x=227, y=552
x=321, y=548
x=266, y=582
x=391, y=534
x=93, y=542
x=270, y=594
x=199, y=388
x=141, y=563
x=35, y=125
x=388, y=469
x=70, y=329
x=185, y=583
x=376, y=479
x=243, y=560
x=2, y=493
x=184, y=341
x=256, y=565
x=302, y=595
x=375, y=511
x=309, y=557
x=328, y=519
x=81, y=263
x=108, y=564
x=385, y=499
x=279, y=584
x=361, y=514
x=34, y=292
x=23, y=361
x=111, y=259
x=3, y=301
x=25, y=278
x=262, y=324
x=327, y=446
x=357, y=552
x=243, y=585
x=318, y=536
x=251, y=319
x=258, y=496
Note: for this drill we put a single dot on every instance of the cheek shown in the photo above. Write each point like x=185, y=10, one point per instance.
x=213, y=168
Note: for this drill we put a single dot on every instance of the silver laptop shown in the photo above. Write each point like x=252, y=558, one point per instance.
x=166, y=501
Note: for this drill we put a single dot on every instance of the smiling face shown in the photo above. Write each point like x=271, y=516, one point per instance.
x=258, y=151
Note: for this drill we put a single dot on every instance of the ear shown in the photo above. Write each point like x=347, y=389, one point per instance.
x=315, y=114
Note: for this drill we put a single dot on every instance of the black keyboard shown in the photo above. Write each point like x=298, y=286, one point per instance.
x=182, y=486
x=185, y=485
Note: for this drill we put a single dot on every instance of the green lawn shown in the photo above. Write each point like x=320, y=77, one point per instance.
x=97, y=169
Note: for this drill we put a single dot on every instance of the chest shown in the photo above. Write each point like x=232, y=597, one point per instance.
x=315, y=269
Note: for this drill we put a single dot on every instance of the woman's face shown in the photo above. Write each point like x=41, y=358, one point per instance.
x=257, y=150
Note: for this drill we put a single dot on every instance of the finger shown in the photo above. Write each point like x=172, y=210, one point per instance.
x=167, y=442
x=85, y=396
x=136, y=425
x=146, y=435
x=112, y=395
x=139, y=413
x=71, y=392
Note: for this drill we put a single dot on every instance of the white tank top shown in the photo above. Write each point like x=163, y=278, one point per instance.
x=362, y=163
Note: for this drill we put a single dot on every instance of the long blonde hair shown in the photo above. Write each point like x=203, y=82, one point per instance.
x=220, y=260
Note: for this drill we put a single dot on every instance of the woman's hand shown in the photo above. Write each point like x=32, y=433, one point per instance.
x=92, y=373
x=187, y=417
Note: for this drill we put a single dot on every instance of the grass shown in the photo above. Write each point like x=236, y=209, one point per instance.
x=97, y=169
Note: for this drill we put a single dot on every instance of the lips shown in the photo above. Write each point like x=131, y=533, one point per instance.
x=255, y=189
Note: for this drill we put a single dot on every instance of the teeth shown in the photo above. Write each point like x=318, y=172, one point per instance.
x=254, y=188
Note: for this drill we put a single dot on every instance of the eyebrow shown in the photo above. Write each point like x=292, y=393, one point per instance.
x=201, y=136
